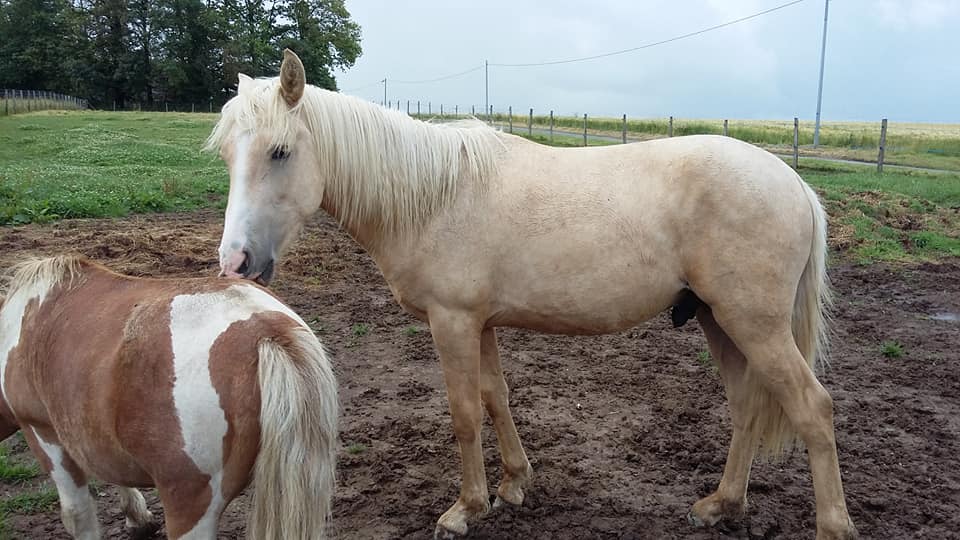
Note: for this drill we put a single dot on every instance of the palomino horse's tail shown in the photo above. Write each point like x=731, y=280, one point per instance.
x=294, y=474
x=811, y=309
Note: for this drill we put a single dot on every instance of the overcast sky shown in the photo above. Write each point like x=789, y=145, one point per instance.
x=893, y=58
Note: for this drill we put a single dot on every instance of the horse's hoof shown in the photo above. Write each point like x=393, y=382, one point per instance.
x=443, y=533
x=695, y=520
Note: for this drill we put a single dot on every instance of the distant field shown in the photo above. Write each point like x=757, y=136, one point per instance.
x=57, y=164
x=919, y=145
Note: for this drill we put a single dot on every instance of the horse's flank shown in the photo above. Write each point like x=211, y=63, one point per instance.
x=378, y=166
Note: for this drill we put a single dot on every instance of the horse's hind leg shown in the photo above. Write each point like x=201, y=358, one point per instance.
x=191, y=508
x=729, y=501
x=139, y=521
x=77, y=508
x=496, y=399
x=767, y=341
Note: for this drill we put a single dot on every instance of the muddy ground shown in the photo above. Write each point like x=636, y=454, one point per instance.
x=624, y=432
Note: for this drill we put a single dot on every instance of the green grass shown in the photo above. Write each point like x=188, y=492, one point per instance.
x=891, y=349
x=15, y=472
x=356, y=448
x=43, y=500
x=360, y=329
x=703, y=358
x=411, y=331
x=897, y=216
x=60, y=164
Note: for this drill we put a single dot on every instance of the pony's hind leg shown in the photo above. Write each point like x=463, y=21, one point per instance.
x=495, y=396
x=139, y=520
x=77, y=508
x=729, y=501
x=777, y=365
x=192, y=505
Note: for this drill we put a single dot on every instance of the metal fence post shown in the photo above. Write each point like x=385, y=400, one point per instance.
x=429, y=107
x=623, y=134
x=584, y=129
x=670, y=128
x=510, y=117
x=551, y=125
x=725, y=132
x=530, y=123
x=441, y=110
x=883, y=144
x=456, y=110
x=796, y=143
x=418, y=107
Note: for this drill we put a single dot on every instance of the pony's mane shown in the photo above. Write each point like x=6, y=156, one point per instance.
x=380, y=166
x=50, y=271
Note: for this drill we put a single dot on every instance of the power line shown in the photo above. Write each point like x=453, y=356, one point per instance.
x=445, y=77
x=654, y=44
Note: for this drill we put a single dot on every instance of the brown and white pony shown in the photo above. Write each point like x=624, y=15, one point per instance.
x=192, y=386
x=475, y=229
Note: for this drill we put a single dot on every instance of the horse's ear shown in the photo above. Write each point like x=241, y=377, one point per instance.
x=292, y=78
x=243, y=83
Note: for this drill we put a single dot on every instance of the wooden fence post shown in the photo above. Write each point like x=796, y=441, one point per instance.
x=883, y=144
x=551, y=125
x=796, y=142
x=510, y=117
x=725, y=132
x=670, y=128
x=584, y=129
x=623, y=134
x=530, y=123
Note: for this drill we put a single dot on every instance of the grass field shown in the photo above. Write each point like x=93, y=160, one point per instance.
x=59, y=164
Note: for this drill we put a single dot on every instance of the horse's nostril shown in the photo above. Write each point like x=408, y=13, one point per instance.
x=244, y=266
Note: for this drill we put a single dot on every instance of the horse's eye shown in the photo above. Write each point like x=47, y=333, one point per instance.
x=280, y=153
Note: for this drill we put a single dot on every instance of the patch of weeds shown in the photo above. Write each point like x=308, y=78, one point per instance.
x=30, y=503
x=411, y=331
x=703, y=358
x=891, y=348
x=359, y=330
x=15, y=472
x=356, y=448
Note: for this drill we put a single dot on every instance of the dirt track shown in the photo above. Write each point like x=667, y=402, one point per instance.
x=624, y=432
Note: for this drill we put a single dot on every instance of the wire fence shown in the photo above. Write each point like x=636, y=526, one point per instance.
x=932, y=146
x=23, y=101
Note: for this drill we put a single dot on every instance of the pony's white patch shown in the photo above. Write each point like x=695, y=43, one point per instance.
x=196, y=321
x=78, y=510
x=11, y=320
x=238, y=206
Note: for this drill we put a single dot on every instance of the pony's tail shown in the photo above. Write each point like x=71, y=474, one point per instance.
x=811, y=310
x=294, y=474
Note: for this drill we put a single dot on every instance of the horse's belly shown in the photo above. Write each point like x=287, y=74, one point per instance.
x=589, y=306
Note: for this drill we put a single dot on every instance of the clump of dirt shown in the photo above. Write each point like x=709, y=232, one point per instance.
x=624, y=431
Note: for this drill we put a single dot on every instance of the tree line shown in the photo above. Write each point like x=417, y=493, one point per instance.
x=125, y=53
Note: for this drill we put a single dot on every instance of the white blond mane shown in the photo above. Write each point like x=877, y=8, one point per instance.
x=380, y=166
x=48, y=272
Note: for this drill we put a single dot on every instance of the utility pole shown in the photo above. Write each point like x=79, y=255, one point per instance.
x=486, y=87
x=823, y=54
x=384, y=92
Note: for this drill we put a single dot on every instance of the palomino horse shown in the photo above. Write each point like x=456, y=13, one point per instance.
x=191, y=386
x=475, y=229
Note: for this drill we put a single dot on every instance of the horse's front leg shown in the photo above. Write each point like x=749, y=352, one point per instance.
x=457, y=337
x=496, y=399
